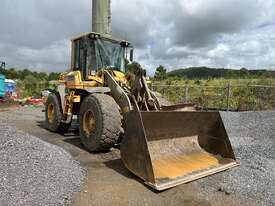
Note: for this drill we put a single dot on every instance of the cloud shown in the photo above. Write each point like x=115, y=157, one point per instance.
x=175, y=33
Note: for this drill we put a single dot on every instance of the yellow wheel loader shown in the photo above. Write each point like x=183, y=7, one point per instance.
x=165, y=146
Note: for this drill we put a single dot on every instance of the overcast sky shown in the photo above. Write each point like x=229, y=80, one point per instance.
x=175, y=33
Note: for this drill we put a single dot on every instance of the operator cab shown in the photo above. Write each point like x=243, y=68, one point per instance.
x=92, y=52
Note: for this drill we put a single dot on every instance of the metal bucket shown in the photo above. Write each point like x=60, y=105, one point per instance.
x=166, y=149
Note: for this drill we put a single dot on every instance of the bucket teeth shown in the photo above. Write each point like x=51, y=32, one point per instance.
x=166, y=149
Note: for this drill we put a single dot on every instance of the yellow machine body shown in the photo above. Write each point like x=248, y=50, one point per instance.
x=165, y=146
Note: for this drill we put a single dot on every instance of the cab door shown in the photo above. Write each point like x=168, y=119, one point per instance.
x=83, y=57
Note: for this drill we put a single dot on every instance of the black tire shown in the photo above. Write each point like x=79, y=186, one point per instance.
x=54, y=123
x=106, y=124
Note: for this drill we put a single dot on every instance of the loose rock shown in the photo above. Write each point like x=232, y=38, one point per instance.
x=252, y=135
x=33, y=172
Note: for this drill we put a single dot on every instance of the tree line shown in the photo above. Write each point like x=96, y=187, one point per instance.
x=161, y=72
x=30, y=83
x=206, y=73
x=14, y=74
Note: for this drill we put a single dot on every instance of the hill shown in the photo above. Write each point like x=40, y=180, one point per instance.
x=206, y=72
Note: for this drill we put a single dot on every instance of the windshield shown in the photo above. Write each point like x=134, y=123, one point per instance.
x=94, y=54
x=109, y=54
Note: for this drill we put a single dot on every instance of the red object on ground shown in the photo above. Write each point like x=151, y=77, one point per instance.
x=35, y=101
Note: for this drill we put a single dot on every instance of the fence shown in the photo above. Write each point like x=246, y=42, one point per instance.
x=229, y=97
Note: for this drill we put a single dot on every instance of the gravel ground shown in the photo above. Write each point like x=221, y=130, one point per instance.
x=30, y=182
x=33, y=172
x=252, y=135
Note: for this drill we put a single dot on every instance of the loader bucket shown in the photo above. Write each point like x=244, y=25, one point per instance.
x=166, y=149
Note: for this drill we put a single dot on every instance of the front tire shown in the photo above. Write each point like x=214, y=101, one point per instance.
x=53, y=115
x=99, y=122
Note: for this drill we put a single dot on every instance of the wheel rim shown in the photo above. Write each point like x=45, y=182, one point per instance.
x=50, y=113
x=89, y=122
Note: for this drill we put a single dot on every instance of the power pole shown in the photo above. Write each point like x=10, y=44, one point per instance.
x=101, y=17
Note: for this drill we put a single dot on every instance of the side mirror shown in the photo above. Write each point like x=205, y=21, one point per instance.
x=2, y=67
x=3, y=64
x=132, y=55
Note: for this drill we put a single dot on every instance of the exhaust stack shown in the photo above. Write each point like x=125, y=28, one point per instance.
x=101, y=17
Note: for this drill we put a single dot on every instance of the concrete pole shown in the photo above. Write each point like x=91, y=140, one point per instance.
x=101, y=17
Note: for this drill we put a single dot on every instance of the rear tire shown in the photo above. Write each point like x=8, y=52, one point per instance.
x=99, y=122
x=53, y=114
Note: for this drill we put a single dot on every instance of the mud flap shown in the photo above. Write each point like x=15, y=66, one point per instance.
x=166, y=149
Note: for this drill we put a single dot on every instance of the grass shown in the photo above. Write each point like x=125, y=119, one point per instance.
x=234, y=94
